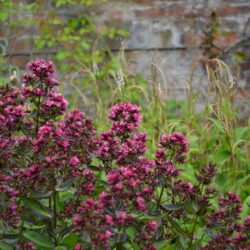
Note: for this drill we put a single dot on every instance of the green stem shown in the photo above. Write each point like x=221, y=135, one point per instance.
x=160, y=197
x=195, y=221
x=193, y=230
x=54, y=215
x=228, y=139
x=37, y=116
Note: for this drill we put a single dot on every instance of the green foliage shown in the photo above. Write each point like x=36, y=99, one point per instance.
x=39, y=239
x=98, y=79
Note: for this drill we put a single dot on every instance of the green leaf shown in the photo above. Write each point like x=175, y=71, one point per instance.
x=162, y=245
x=173, y=207
x=182, y=242
x=61, y=55
x=131, y=233
x=246, y=207
x=195, y=206
x=70, y=240
x=92, y=167
x=32, y=226
x=3, y=16
x=243, y=180
x=64, y=186
x=217, y=124
x=61, y=248
x=10, y=237
x=220, y=180
x=39, y=239
x=41, y=194
x=175, y=224
x=240, y=133
x=36, y=207
x=5, y=246
x=66, y=195
x=221, y=156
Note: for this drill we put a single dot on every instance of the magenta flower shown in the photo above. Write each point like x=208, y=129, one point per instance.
x=125, y=117
x=74, y=161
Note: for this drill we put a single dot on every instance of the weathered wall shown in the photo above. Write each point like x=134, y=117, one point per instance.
x=170, y=31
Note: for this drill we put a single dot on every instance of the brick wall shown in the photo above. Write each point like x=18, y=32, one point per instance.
x=169, y=32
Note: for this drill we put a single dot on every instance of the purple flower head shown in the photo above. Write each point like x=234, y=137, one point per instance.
x=177, y=144
x=247, y=223
x=52, y=82
x=74, y=161
x=206, y=175
x=113, y=177
x=121, y=217
x=108, y=220
x=140, y=203
x=41, y=69
x=151, y=227
x=34, y=92
x=87, y=185
x=12, y=110
x=41, y=80
x=125, y=117
x=55, y=104
x=32, y=172
x=77, y=247
x=229, y=210
x=107, y=146
x=183, y=189
x=132, y=148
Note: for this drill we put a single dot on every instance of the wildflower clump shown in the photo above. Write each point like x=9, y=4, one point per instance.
x=63, y=185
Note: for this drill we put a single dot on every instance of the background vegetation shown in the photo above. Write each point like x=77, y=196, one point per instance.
x=94, y=78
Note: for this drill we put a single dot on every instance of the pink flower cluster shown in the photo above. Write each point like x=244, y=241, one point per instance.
x=42, y=69
x=101, y=188
x=133, y=184
x=226, y=231
x=38, y=88
x=177, y=144
x=55, y=104
x=35, y=150
x=11, y=109
x=132, y=178
x=125, y=117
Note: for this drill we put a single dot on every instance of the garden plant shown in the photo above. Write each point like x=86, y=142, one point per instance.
x=66, y=186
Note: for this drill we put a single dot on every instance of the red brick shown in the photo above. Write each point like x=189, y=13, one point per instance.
x=143, y=1
x=1, y=32
x=175, y=11
x=190, y=40
x=22, y=30
x=19, y=60
x=233, y=10
x=20, y=45
x=115, y=14
x=241, y=93
x=153, y=12
x=245, y=65
x=148, y=1
x=197, y=12
x=223, y=41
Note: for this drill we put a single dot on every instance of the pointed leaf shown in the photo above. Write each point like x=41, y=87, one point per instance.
x=70, y=240
x=39, y=239
x=41, y=194
x=173, y=207
x=36, y=207
x=65, y=185
x=5, y=246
